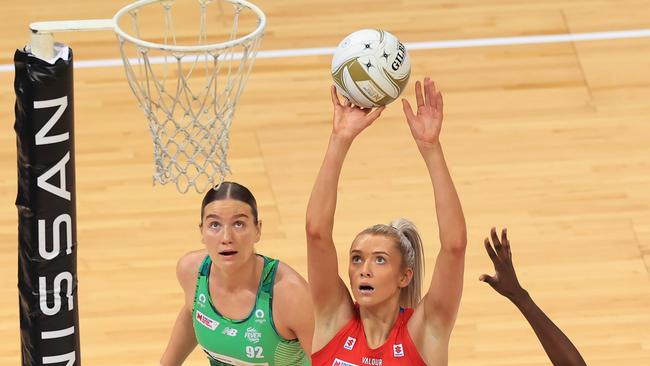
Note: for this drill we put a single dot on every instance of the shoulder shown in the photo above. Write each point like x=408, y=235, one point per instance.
x=290, y=290
x=293, y=309
x=289, y=282
x=187, y=268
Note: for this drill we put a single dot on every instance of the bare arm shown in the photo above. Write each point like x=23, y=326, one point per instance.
x=557, y=345
x=331, y=299
x=292, y=292
x=439, y=306
x=182, y=340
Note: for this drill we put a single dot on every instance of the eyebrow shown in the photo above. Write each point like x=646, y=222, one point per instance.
x=215, y=216
x=356, y=251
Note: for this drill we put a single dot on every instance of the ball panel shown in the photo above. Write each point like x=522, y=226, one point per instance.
x=399, y=84
x=358, y=94
x=354, y=45
x=378, y=75
x=361, y=91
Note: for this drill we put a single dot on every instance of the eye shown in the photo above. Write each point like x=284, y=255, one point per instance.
x=380, y=260
x=214, y=225
x=239, y=224
x=356, y=259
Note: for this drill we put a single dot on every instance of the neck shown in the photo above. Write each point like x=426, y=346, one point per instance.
x=378, y=321
x=237, y=278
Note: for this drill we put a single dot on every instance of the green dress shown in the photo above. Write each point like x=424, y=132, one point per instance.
x=250, y=341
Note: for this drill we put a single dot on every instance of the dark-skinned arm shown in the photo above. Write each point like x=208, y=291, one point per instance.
x=557, y=345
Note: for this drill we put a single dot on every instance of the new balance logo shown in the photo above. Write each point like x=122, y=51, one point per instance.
x=232, y=332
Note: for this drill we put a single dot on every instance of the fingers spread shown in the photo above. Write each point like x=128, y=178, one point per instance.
x=427, y=91
x=488, y=279
x=408, y=111
x=506, y=242
x=418, y=94
x=495, y=238
x=490, y=251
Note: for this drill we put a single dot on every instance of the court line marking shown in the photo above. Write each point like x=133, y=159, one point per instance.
x=411, y=46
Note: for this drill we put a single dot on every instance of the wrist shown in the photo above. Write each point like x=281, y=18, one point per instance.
x=426, y=147
x=520, y=297
x=340, y=140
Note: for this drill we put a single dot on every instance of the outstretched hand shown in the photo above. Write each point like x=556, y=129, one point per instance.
x=350, y=120
x=426, y=122
x=505, y=279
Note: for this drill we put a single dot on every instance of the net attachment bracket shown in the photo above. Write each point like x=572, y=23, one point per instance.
x=42, y=41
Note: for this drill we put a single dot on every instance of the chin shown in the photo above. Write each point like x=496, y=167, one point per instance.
x=366, y=300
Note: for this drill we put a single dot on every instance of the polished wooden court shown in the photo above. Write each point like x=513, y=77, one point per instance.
x=551, y=140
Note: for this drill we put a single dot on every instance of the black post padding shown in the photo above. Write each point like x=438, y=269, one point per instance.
x=47, y=235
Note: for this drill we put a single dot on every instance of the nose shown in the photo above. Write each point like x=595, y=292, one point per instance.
x=365, y=270
x=226, y=237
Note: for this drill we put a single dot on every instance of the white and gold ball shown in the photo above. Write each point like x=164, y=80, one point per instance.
x=370, y=68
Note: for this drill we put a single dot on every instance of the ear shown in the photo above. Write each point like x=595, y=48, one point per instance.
x=258, y=235
x=406, y=277
x=201, y=232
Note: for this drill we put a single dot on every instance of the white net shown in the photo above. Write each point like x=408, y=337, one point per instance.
x=187, y=62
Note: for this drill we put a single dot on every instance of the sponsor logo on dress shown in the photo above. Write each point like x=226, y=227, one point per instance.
x=398, y=350
x=206, y=321
x=349, y=343
x=371, y=361
x=338, y=362
x=202, y=300
x=252, y=335
x=232, y=332
x=259, y=315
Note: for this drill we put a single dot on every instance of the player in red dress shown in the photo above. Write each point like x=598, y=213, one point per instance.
x=389, y=324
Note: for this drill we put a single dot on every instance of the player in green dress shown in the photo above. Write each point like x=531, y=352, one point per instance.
x=242, y=308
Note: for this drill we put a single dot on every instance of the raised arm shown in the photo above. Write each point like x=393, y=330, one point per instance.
x=440, y=305
x=332, y=301
x=557, y=345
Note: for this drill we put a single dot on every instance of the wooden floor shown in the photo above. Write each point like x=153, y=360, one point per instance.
x=550, y=140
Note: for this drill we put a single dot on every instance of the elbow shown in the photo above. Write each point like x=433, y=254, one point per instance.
x=456, y=243
x=457, y=248
x=315, y=232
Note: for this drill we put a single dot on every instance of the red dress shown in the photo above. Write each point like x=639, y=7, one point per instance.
x=349, y=346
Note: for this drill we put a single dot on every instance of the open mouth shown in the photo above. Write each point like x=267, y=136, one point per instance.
x=366, y=289
x=228, y=253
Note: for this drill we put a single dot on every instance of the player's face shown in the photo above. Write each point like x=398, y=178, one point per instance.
x=229, y=231
x=376, y=271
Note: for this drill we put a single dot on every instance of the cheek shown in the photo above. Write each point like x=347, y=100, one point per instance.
x=351, y=272
x=210, y=234
x=250, y=234
x=387, y=273
x=245, y=237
